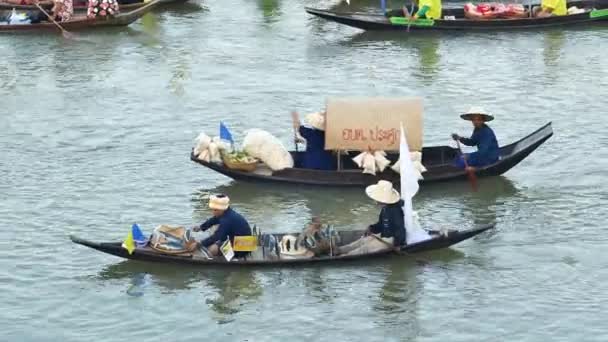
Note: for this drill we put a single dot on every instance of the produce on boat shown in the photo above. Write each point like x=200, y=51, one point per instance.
x=470, y=18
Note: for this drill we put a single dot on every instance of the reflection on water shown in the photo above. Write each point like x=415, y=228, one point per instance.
x=270, y=9
x=233, y=288
x=553, y=43
x=423, y=46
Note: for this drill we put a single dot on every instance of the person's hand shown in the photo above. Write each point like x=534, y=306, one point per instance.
x=196, y=229
x=470, y=169
x=455, y=136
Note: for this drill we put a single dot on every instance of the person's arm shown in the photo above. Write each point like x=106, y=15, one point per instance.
x=220, y=235
x=472, y=141
x=422, y=12
x=376, y=228
x=297, y=127
x=209, y=223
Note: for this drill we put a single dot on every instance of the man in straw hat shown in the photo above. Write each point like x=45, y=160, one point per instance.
x=315, y=157
x=483, y=138
x=230, y=223
x=389, y=231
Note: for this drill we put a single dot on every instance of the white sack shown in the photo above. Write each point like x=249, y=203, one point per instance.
x=416, y=160
x=267, y=148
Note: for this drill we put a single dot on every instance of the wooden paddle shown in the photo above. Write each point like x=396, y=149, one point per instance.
x=64, y=32
x=470, y=173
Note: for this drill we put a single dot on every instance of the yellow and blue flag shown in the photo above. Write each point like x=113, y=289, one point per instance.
x=225, y=133
x=129, y=243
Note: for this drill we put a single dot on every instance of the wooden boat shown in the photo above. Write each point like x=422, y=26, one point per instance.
x=81, y=22
x=436, y=159
x=437, y=241
x=81, y=6
x=595, y=11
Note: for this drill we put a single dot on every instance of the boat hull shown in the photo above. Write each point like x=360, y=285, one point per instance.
x=436, y=159
x=596, y=12
x=146, y=254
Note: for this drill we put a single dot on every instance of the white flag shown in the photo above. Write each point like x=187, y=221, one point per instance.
x=409, y=188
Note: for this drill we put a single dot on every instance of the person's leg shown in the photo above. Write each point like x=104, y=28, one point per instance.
x=371, y=244
x=459, y=161
x=351, y=246
x=214, y=249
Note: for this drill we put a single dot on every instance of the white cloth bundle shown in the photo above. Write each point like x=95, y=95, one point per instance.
x=371, y=163
x=267, y=148
x=210, y=150
x=575, y=10
x=416, y=160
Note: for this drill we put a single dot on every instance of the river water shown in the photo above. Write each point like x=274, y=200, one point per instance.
x=96, y=135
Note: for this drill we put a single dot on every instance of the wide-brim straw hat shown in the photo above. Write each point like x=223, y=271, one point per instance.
x=316, y=120
x=383, y=192
x=477, y=111
x=219, y=202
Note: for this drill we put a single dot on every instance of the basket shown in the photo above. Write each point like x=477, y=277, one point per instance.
x=248, y=167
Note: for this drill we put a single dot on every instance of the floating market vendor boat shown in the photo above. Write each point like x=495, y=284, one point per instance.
x=81, y=6
x=352, y=123
x=81, y=22
x=270, y=256
x=454, y=19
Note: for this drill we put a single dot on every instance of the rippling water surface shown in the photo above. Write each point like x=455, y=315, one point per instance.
x=96, y=135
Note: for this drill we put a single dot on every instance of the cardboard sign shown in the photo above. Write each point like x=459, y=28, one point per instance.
x=245, y=243
x=373, y=123
x=227, y=251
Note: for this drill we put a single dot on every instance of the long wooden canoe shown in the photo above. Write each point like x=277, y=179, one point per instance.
x=81, y=22
x=81, y=6
x=437, y=160
x=438, y=241
x=595, y=11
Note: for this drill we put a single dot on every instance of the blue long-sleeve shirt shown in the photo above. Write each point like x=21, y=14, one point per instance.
x=316, y=157
x=231, y=224
x=487, y=146
x=391, y=223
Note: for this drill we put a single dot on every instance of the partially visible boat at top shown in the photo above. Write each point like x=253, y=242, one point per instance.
x=82, y=22
x=453, y=19
x=80, y=6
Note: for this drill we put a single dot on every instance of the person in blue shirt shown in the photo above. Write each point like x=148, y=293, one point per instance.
x=315, y=157
x=230, y=224
x=389, y=232
x=483, y=138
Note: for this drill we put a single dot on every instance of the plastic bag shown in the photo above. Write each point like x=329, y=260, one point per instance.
x=267, y=148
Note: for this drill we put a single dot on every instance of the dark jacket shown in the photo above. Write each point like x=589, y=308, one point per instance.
x=487, y=146
x=231, y=224
x=391, y=223
x=316, y=157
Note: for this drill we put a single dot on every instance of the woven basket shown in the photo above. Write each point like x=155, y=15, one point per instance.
x=248, y=167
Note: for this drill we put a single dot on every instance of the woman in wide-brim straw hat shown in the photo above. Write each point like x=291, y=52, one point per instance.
x=483, y=138
x=315, y=156
x=389, y=231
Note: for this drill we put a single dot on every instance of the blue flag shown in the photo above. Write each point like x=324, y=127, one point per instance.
x=138, y=236
x=225, y=133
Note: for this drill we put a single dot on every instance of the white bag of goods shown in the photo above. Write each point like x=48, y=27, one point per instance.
x=381, y=161
x=209, y=150
x=416, y=160
x=267, y=148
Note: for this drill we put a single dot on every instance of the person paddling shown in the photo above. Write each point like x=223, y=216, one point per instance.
x=315, y=157
x=427, y=9
x=483, y=138
x=549, y=8
x=230, y=223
